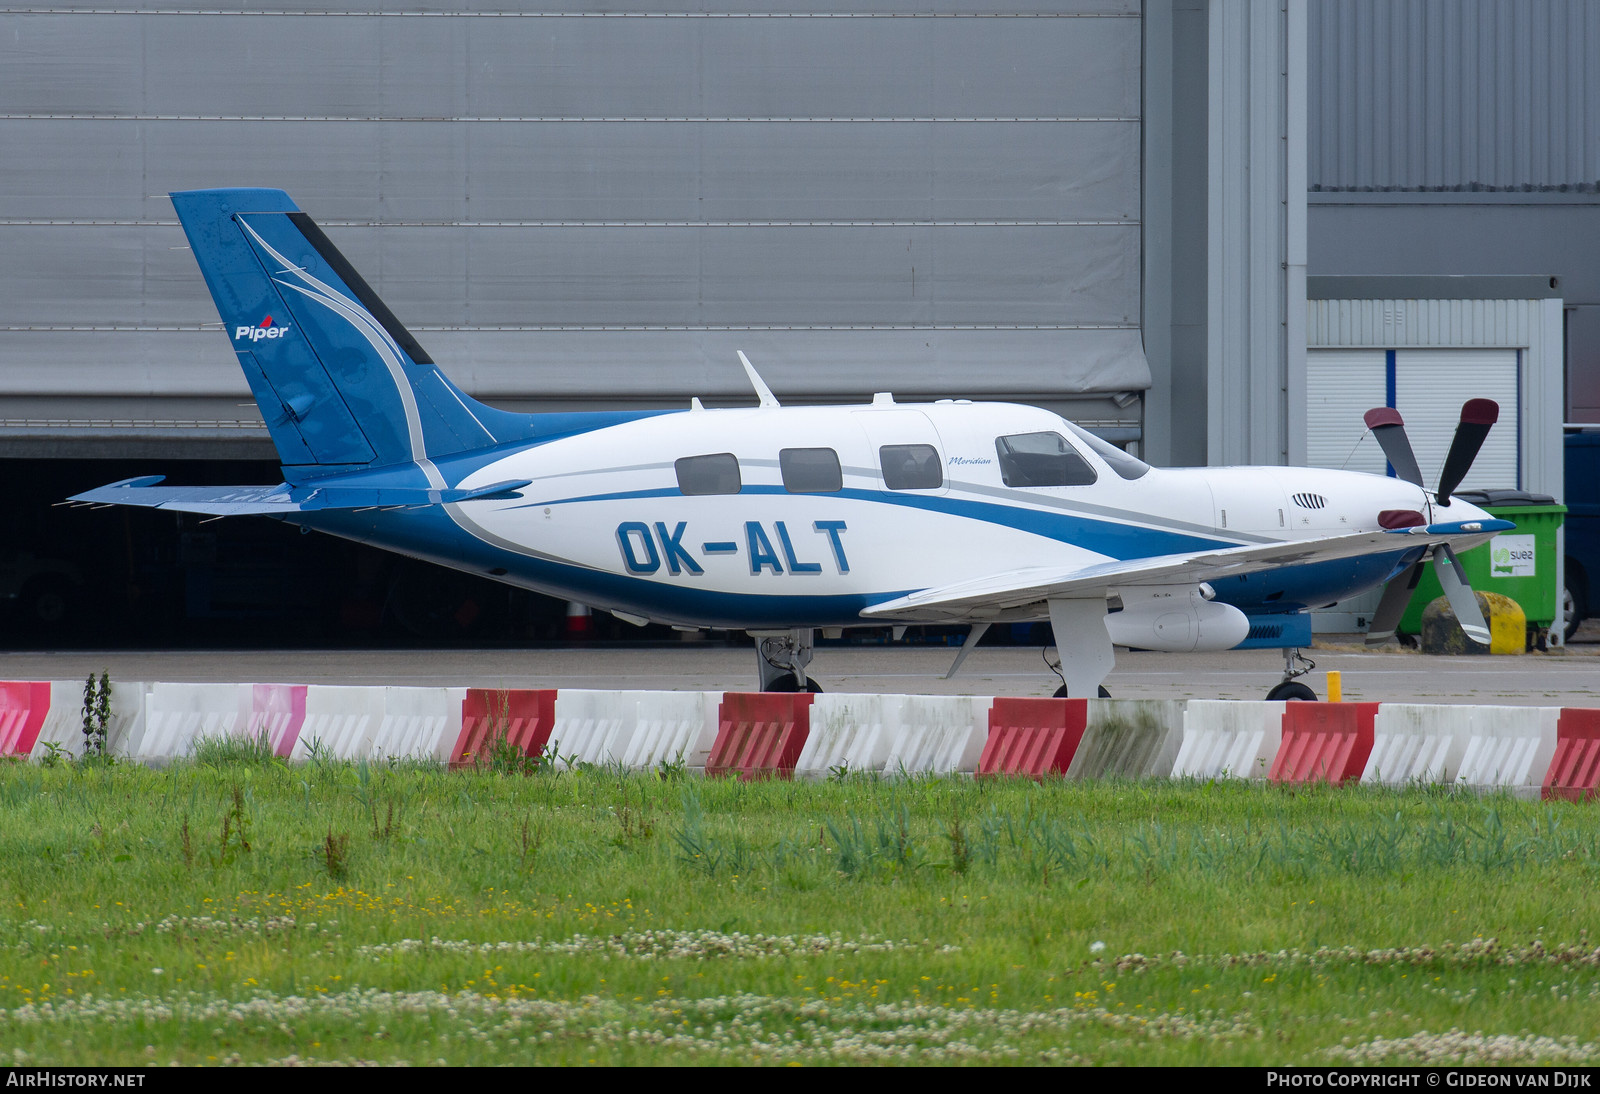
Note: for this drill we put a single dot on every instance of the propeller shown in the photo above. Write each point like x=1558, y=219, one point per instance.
x=1396, y=595
x=1453, y=580
x=1477, y=415
x=1390, y=430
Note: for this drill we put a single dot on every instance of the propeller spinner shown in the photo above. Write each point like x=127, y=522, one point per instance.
x=1477, y=415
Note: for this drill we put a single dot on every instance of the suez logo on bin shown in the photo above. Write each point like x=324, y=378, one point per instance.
x=647, y=547
x=1512, y=556
x=263, y=329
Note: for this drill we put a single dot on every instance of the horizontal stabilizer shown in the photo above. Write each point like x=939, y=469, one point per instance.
x=281, y=500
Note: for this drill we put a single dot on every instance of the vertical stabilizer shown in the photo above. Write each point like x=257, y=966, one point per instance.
x=341, y=384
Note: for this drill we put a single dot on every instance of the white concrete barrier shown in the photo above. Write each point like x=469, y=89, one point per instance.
x=1510, y=749
x=849, y=733
x=341, y=722
x=1418, y=744
x=1226, y=738
x=177, y=716
x=594, y=726
x=672, y=727
x=419, y=723
x=938, y=734
x=1131, y=738
x=63, y=723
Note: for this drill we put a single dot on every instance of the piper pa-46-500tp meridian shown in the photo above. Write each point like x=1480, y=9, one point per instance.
x=782, y=520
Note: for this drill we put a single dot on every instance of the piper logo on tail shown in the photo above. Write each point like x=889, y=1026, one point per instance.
x=263, y=329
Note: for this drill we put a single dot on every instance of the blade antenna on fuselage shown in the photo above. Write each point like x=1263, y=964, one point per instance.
x=762, y=390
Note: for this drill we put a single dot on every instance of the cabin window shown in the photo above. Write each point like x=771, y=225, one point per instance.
x=810, y=470
x=1129, y=467
x=1041, y=459
x=910, y=467
x=718, y=474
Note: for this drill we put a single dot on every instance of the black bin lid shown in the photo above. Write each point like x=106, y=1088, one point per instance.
x=1503, y=498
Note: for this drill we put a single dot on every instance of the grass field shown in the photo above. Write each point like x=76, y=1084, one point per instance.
x=234, y=910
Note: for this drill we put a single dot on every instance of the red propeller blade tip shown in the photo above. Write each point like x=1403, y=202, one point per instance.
x=1388, y=415
x=1478, y=412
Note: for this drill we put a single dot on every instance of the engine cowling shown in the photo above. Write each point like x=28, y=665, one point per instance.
x=1176, y=619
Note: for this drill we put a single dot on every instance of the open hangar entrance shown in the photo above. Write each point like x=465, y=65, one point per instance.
x=122, y=577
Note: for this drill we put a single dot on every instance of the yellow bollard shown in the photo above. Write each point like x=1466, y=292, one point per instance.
x=1335, y=691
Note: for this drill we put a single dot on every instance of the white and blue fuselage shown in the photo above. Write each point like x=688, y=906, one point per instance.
x=604, y=518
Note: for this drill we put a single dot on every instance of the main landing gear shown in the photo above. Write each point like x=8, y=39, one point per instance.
x=782, y=658
x=1055, y=667
x=1295, y=664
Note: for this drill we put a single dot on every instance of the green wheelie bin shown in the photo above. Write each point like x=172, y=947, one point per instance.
x=1519, y=564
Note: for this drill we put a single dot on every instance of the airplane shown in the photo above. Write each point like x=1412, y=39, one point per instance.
x=785, y=520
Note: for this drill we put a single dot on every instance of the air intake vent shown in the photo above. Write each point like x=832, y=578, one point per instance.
x=1266, y=630
x=1311, y=501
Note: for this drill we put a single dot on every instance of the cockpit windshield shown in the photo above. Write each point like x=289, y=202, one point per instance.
x=1129, y=467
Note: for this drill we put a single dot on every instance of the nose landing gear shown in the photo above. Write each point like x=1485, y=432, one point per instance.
x=1295, y=664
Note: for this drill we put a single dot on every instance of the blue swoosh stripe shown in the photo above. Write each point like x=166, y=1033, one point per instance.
x=1109, y=538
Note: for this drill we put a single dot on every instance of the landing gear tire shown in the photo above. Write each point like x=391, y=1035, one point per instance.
x=789, y=683
x=1292, y=690
x=1061, y=692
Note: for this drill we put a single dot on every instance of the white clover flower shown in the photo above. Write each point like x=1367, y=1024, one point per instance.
x=1097, y=946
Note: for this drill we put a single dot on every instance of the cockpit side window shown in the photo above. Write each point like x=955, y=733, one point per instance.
x=715, y=474
x=1041, y=459
x=810, y=470
x=1128, y=467
x=910, y=467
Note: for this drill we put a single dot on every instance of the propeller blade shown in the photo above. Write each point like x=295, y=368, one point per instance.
x=1396, y=595
x=1477, y=415
x=1390, y=430
x=1462, y=601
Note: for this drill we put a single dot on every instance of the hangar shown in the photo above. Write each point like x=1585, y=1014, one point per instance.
x=1106, y=207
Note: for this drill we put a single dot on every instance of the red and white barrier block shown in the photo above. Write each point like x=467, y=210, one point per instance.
x=671, y=728
x=1226, y=739
x=938, y=735
x=849, y=734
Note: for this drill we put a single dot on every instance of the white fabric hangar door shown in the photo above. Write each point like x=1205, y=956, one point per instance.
x=1429, y=387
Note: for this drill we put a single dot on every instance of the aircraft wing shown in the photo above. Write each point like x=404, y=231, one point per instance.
x=280, y=500
x=989, y=597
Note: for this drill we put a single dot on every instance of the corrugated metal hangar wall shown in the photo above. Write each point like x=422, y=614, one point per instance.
x=1462, y=138
x=589, y=208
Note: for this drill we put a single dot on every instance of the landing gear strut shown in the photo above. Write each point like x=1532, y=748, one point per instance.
x=1295, y=664
x=1084, y=656
x=781, y=660
x=1055, y=667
